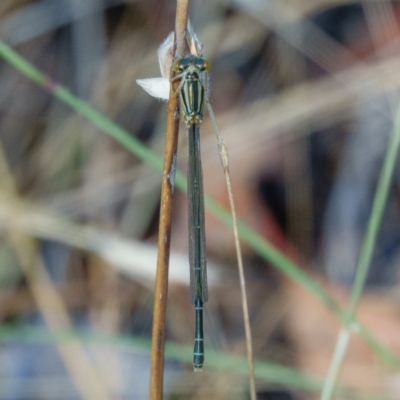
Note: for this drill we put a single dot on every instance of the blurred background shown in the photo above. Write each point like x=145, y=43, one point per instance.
x=304, y=92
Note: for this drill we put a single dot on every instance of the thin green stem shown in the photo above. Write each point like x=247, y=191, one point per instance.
x=336, y=362
x=365, y=257
x=375, y=220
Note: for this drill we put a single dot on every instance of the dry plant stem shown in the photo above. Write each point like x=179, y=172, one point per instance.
x=164, y=241
x=164, y=231
x=249, y=344
x=85, y=378
x=182, y=12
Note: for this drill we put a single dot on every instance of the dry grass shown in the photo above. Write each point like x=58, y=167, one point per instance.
x=305, y=104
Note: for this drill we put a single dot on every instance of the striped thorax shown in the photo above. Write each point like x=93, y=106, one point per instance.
x=191, y=90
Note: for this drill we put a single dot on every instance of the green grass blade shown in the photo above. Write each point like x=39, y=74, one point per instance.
x=364, y=262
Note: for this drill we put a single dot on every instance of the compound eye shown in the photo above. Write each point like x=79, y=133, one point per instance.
x=202, y=64
x=176, y=66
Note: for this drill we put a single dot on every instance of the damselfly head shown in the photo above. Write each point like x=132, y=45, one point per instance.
x=197, y=63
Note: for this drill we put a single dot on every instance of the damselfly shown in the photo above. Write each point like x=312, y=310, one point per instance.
x=191, y=73
x=193, y=91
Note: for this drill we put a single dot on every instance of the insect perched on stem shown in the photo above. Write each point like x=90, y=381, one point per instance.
x=191, y=93
x=192, y=73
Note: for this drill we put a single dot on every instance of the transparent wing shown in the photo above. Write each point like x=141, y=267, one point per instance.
x=195, y=46
x=166, y=55
x=156, y=87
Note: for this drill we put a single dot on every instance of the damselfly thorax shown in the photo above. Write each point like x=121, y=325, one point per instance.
x=191, y=89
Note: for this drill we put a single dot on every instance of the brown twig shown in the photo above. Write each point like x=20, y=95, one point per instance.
x=182, y=12
x=245, y=307
x=164, y=232
x=223, y=151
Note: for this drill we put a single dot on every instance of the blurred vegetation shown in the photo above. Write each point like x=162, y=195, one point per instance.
x=304, y=92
